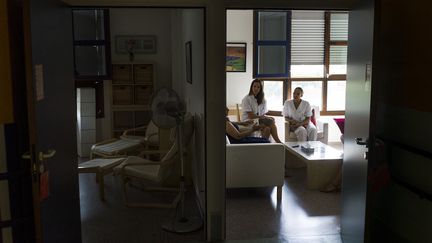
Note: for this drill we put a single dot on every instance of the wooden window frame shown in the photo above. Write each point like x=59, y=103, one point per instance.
x=328, y=43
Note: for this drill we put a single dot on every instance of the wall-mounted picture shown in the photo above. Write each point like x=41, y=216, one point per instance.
x=235, y=57
x=135, y=44
x=188, y=50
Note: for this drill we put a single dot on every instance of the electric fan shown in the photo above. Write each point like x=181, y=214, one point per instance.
x=169, y=111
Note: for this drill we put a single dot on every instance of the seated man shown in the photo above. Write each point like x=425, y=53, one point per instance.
x=236, y=136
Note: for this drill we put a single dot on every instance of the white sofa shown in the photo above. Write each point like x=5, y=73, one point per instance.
x=255, y=165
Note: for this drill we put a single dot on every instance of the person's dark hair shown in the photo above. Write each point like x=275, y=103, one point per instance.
x=299, y=89
x=260, y=95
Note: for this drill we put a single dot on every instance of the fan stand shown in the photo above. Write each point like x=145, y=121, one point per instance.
x=181, y=223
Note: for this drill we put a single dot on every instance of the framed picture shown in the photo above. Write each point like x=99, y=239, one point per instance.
x=188, y=54
x=235, y=57
x=135, y=44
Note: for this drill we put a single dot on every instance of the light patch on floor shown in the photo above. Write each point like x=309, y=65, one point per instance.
x=251, y=213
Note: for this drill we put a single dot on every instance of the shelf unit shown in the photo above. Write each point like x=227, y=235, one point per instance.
x=132, y=86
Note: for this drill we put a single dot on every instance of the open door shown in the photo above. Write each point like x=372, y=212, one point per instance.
x=387, y=193
x=54, y=125
x=41, y=144
x=357, y=121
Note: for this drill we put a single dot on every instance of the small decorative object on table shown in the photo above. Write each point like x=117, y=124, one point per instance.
x=307, y=148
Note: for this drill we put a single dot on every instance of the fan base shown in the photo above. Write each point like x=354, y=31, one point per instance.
x=183, y=225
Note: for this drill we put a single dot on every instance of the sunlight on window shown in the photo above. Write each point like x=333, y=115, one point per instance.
x=336, y=95
x=339, y=27
x=303, y=71
x=338, y=59
x=312, y=91
x=338, y=69
x=273, y=91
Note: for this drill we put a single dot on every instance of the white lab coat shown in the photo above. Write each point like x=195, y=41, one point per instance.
x=250, y=104
x=303, y=111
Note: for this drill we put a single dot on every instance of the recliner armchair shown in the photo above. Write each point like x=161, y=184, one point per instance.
x=130, y=143
x=154, y=175
x=322, y=128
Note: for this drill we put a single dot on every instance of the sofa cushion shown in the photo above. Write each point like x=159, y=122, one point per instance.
x=313, y=119
x=340, y=122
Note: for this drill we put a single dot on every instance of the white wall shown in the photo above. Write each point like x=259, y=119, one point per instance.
x=140, y=21
x=240, y=29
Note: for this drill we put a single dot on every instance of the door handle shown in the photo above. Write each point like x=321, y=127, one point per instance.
x=48, y=154
x=360, y=141
x=26, y=155
x=42, y=156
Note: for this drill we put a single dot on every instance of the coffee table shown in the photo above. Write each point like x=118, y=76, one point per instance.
x=100, y=167
x=322, y=165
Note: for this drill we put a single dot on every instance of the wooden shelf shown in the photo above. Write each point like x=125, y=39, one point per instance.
x=123, y=94
x=122, y=73
x=132, y=87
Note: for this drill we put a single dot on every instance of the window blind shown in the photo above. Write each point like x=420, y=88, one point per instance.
x=338, y=55
x=339, y=27
x=307, y=38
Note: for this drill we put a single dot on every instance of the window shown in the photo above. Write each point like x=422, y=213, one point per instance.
x=312, y=91
x=272, y=43
x=274, y=94
x=316, y=59
x=307, y=44
x=336, y=95
x=92, y=51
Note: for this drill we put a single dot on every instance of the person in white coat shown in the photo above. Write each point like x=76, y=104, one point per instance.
x=298, y=113
x=254, y=106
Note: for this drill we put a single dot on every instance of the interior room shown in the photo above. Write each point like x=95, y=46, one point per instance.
x=115, y=89
x=106, y=108
x=123, y=61
x=284, y=50
x=386, y=194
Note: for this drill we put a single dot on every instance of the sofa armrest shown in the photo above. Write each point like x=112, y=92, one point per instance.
x=323, y=127
x=255, y=165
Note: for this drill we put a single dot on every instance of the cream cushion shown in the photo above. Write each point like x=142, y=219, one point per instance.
x=149, y=172
x=117, y=147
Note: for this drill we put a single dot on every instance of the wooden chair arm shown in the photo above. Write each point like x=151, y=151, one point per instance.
x=149, y=152
x=104, y=142
x=152, y=135
x=114, y=156
x=127, y=164
x=141, y=128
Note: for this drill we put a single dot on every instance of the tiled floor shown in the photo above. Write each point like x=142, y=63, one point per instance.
x=112, y=222
x=253, y=215
x=335, y=238
x=302, y=213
